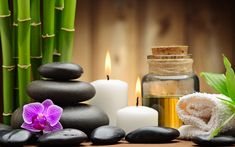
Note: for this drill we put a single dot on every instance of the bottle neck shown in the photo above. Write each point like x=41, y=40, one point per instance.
x=170, y=67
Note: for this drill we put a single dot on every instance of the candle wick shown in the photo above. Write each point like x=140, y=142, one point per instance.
x=107, y=77
x=137, y=101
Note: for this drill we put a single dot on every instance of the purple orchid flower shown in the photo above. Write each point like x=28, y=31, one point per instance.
x=43, y=116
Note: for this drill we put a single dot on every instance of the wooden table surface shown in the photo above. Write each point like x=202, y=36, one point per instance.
x=177, y=143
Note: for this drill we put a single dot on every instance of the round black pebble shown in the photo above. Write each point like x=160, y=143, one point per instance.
x=107, y=135
x=152, y=135
x=61, y=71
x=83, y=117
x=61, y=92
x=17, y=118
x=4, y=127
x=216, y=141
x=16, y=137
x=63, y=137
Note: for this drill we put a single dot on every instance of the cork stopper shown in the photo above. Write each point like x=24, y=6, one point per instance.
x=170, y=50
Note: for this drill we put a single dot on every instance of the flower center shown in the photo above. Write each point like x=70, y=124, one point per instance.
x=39, y=122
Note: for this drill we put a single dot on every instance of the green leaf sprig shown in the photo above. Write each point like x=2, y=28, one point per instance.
x=223, y=84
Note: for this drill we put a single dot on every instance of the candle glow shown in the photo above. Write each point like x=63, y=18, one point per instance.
x=107, y=64
x=138, y=88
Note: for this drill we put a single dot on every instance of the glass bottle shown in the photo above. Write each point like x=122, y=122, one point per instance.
x=170, y=77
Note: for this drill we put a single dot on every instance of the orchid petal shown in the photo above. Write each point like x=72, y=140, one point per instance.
x=53, y=114
x=47, y=103
x=31, y=110
x=54, y=128
x=29, y=127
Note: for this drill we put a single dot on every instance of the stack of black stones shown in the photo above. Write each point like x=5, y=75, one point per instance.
x=61, y=87
x=82, y=122
x=59, y=83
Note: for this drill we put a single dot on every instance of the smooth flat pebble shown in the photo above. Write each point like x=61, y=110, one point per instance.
x=152, y=135
x=17, y=137
x=216, y=141
x=83, y=117
x=61, y=92
x=63, y=137
x=4, y=127
x=107, y=135
x=61, y=71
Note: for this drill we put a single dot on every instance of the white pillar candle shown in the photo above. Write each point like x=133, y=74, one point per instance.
x=134, y=117
x=111, y=95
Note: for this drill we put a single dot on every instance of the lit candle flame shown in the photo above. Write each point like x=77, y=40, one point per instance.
x=138, y=88
x=107, y=64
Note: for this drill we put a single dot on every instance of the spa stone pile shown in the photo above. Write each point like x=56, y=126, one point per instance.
x=61, y=87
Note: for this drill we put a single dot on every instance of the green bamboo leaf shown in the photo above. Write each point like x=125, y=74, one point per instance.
x=216, y=81
x=227, y=100
x=217, y=130
x=230, y=79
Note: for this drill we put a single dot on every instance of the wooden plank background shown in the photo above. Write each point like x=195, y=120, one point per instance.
x=128, y=29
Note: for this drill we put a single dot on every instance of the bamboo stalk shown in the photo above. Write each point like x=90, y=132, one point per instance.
x=59, y=6
x=35, y=38
x=15, y=51
x=8, y=62
x=67, y=30
x=23, y=49
x=48, y=30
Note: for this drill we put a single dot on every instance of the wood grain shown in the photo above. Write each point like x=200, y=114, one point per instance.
x=129, y=28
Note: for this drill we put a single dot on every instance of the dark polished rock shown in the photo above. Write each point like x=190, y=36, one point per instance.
x=4, y=127
x=61, y=93
x=152, y=135
x=61, y=71
x=16, y=137
x=107, y=135
x=17, y=119
x=63, y=137
x=216, y=141
x=83, y=117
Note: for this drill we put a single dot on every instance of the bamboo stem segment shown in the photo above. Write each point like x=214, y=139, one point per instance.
x=67, y=30
x=24, y=65
x=8, y=62
x=59, y=7
x=48, y=30
x=15, y=50
x=35, y=38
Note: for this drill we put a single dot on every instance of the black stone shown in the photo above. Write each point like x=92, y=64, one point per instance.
x=152, y=135
x=17, y=119
x=63, y=137
x=61, y=93
x=16, y=137
x=61, y=71
x=216, y=141
x=107, y=135
x=4, y=127
x=83, y=117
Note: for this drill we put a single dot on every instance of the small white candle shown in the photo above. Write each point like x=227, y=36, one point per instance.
x=111, y=95
x=134, y=117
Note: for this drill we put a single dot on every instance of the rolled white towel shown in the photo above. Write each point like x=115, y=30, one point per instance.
x=202, y=113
